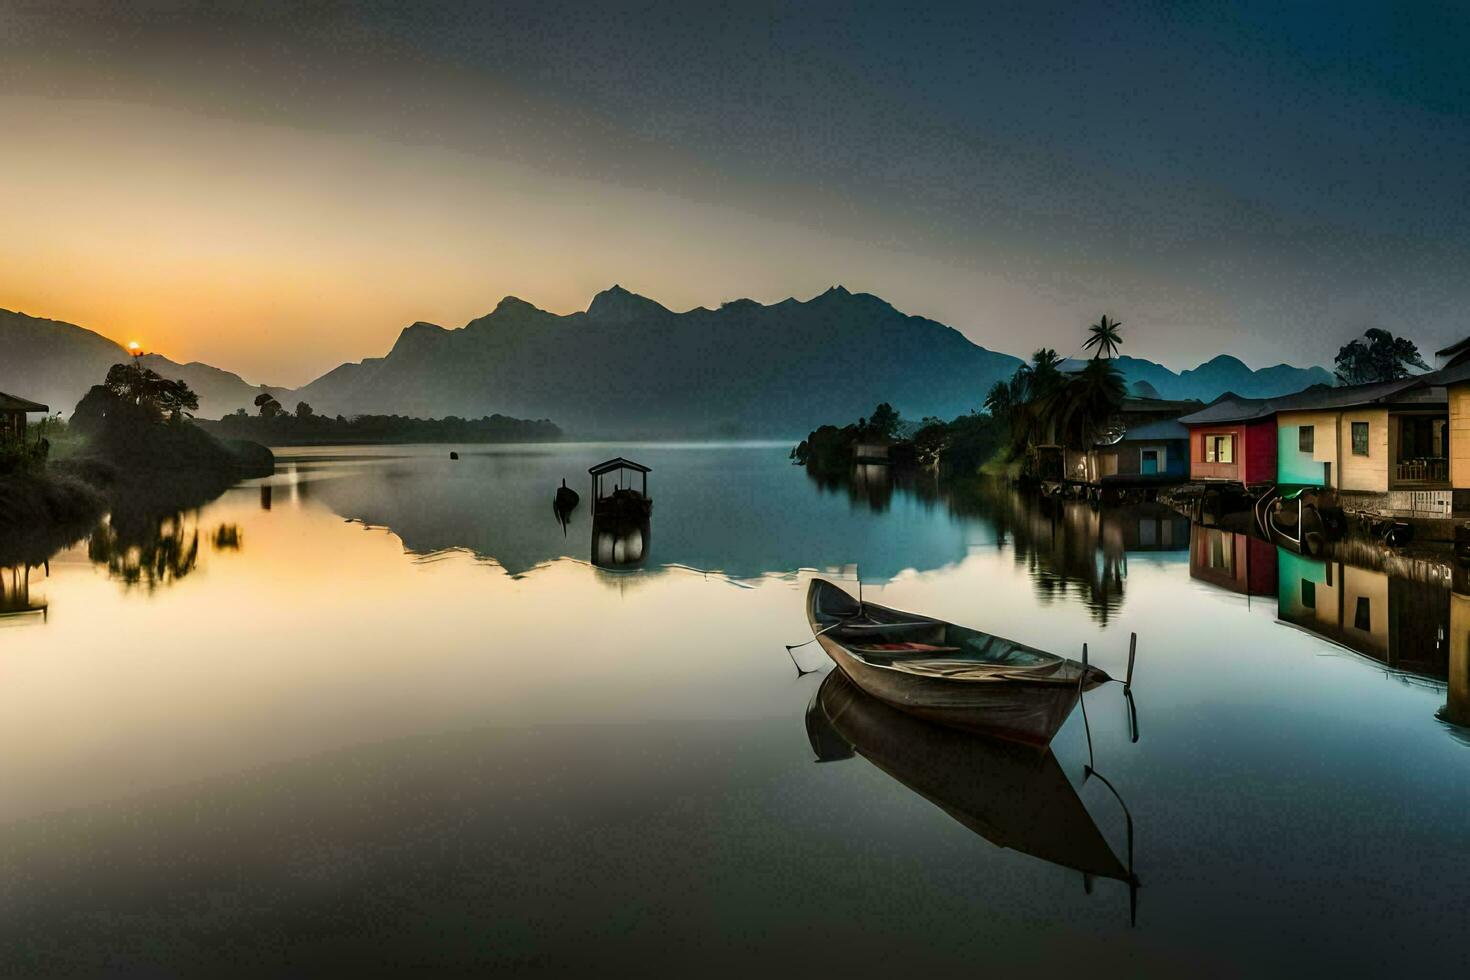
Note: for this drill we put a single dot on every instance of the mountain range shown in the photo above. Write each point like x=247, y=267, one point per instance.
x=628, y=366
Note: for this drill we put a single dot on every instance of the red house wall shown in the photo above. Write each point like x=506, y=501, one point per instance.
x=1199, y=469
x=1255, y=456
x=1260, y=451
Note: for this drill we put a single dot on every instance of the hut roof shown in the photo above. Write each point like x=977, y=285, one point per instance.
x=10, y=403
x=618, y=463
x=1160, y=429
x=1232, y=408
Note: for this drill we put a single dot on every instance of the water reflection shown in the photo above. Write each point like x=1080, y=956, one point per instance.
x=619, y=543
x=1236, y=562
x=1401, y=623
x=17, y=601
x=156, y=553
x=1011, y=795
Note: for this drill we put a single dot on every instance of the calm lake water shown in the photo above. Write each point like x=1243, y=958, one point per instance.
x=381, y=710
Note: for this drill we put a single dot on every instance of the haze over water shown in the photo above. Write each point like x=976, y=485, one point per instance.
x=386, y=712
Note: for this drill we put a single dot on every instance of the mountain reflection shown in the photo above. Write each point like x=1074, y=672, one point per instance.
x=1008, y=794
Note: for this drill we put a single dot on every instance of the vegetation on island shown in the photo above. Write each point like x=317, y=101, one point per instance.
x=960, y=445
x=273, y=425
x=1041, y=404
x=129, y=446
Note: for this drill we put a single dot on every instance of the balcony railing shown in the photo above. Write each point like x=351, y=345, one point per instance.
x=1424, y=470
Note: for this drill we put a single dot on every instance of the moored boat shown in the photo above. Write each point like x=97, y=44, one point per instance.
x=952, y=675
x=622, y=502
x=1291, y=520
x=566, y=498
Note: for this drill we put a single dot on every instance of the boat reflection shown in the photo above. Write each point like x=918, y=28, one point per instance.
x=17, y=602
x=619, y=542
x=1010, y=795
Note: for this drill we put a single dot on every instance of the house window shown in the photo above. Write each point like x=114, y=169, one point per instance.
x=1309, y=594
x=1360, y=438
x=1306, y=436
x=1362, y=616
x=1220, y=449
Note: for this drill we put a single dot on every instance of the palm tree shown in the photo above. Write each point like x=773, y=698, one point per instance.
x=1088, y=403
x=1045, y=373
x=998, y=401
x=1104, y=340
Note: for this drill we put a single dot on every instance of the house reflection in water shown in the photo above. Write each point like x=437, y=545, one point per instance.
x=1237, y=562
x=1456, y=708
x=1401, y=623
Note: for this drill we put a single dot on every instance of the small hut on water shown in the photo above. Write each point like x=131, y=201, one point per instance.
x=13, y=412
x=622, y=500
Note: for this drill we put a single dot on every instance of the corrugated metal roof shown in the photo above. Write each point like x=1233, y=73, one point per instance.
x=10, y=403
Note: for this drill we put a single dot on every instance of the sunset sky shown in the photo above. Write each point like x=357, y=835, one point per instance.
x=276, y=191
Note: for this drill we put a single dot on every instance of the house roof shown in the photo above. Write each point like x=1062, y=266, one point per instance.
x=1455, y=374
x=1133, y=404
x=1230, y=407
x=1161, y=429
x=1454, y=348
x=11, y=403
x=1322, y=398
x=618, y=463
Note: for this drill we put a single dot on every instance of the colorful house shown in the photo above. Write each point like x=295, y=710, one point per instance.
x=1146, y=446
x=1233, y=440
x=1455, y=380
x=1388, y=438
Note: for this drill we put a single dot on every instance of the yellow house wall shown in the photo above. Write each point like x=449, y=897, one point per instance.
x=1361, y=582
x=1457, y=698
x=1369, y=472
x=1460, y=436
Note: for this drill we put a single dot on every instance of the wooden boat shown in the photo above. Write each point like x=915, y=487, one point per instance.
x=566, y=498
x=948, y=674
x=1291, y=520
x=1008, y=794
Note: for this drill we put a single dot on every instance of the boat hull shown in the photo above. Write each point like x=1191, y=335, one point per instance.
x=1015, y=704
x=1016, y=710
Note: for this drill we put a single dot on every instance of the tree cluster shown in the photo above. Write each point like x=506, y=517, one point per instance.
x=154, y=395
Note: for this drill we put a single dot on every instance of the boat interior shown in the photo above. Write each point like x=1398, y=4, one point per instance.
x=887, y=637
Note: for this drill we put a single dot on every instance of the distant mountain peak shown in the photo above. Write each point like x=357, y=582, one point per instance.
x=514, y=304
x=618, y=305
